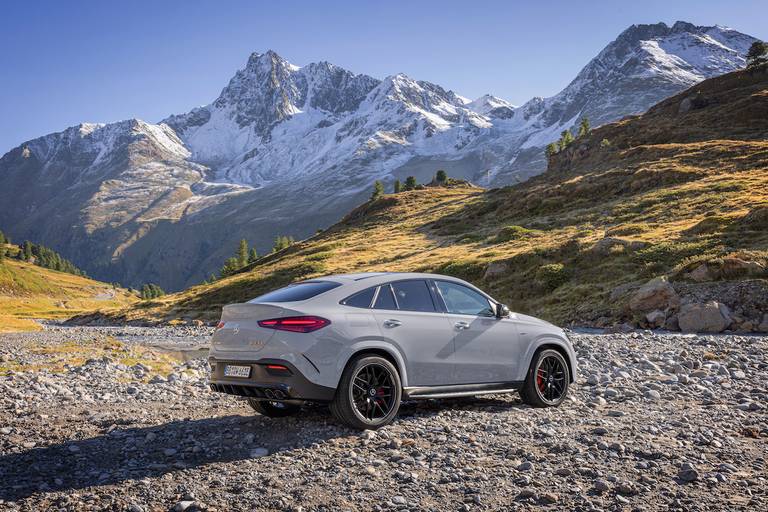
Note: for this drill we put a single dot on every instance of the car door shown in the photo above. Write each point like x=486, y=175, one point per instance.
x=486, y=348
x=408, y=316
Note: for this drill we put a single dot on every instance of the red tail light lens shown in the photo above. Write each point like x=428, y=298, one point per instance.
x=219, y=325
x=295, y=323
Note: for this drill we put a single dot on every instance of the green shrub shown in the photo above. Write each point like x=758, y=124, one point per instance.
x=467, y=270
x=552, y=275
x=513, y=232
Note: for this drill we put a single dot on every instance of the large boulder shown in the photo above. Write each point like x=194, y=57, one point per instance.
x=656, y=318
x=657, y=293
x=711, y=316
x=726, y=268
x=763, y=327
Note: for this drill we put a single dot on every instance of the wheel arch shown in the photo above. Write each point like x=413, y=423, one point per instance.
x=388, y=353
x=554, y=344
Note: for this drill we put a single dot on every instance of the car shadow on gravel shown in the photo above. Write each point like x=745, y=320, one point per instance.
x=124, y=453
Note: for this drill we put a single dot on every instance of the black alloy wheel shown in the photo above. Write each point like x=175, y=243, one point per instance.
x=548, y=379
x=368, y=395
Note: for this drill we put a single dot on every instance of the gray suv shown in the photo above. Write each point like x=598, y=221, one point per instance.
x=364, y=342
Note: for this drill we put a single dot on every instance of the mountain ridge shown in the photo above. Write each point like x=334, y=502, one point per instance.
x=282, y=139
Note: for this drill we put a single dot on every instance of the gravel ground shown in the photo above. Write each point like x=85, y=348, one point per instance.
x=656, y=421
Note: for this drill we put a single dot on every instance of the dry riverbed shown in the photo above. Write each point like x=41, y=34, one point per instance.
x=95, y=418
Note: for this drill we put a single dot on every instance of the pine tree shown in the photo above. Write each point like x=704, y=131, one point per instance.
x=212, y=278
x=378, y=190
x=26, y=250
x=410, y=183
x=252, y=256
x=398, y=187
x=551, y=149
x=231, y=266
x=566, y=137
x=584, y=127
x=282, y=242
x=441, y=176
x=2, y=238
x=757, y=54
x=242, y=253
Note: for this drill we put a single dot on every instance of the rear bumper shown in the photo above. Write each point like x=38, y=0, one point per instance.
x=263, y=384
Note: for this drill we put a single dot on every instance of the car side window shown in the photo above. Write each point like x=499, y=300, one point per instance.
x=464, y=301
x=385, y=300
x=361, y=299
x=413, y=296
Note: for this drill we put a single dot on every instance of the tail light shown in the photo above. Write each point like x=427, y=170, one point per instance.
x=219, y=325
x=295, y=323
x=278, y=369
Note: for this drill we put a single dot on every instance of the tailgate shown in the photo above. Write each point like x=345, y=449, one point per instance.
x=241, y=331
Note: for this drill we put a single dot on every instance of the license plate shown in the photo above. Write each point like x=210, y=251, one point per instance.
x=237, y=371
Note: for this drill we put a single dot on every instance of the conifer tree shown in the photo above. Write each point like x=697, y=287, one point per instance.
x=26, y=250
x=398, y=187
x=242, y=253
x=757, y=54
x=584, y=127
x=441, y=176
x=410, y=183
x=231, y=265
x=252, y=256
x=2, y=238
x=378, y=190
x=566, y=137
x=282, y=242
x=551, y=149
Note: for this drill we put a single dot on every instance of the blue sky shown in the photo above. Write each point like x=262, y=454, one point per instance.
x=99, y=61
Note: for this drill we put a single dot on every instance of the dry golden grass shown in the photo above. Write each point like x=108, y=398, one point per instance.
x=57, y=358
x=28, y=291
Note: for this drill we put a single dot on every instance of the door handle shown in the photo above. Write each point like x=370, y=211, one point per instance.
x=392, y=323
x=461, y=325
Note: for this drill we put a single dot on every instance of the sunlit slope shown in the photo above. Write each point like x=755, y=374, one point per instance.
x=28, y=291
x=656, y=194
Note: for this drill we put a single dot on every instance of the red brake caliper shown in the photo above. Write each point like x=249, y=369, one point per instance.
x=540, y=379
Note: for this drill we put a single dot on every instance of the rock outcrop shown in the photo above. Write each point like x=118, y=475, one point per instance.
x=708, y=317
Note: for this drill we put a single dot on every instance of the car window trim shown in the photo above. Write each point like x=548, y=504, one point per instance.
x=343, y=301
x=376, y=297
x=431, y=296
x=491, y=302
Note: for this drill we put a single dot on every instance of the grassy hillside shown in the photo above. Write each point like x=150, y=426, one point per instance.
x=656, y=194
x=28, y=291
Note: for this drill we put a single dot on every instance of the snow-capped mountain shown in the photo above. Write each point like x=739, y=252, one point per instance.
x=287, y=149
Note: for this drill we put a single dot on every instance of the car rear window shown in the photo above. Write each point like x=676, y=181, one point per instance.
x=361, y=299
x=297, y=291
x=413, y=296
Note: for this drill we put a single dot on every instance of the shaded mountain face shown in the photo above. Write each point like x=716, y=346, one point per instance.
x=287, y=150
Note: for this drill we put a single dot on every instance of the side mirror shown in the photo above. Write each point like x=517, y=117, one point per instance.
x=502, y=311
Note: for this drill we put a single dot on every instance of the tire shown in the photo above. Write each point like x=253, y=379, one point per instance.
x=362, y=400
x=274, y=409
x=548, y=387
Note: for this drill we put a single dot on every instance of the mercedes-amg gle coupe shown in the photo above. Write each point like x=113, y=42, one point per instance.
x=364, y=342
